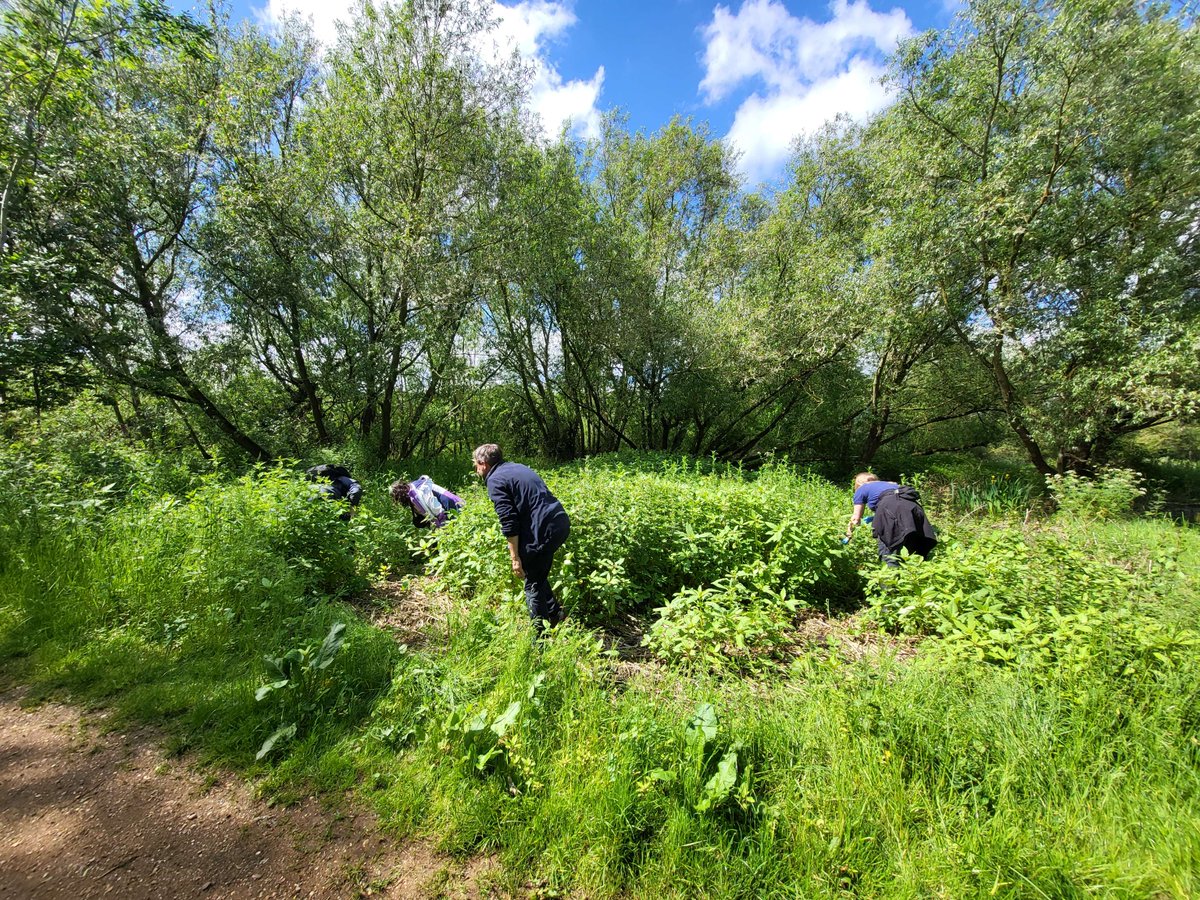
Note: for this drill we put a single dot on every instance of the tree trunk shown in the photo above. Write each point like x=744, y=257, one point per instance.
x=385, y=408
x=164, y=344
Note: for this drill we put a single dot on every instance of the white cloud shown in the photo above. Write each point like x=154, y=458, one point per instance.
x=810, y=71
x=323, y=14
x=764, y=127
x=526, y=26
x=556, y=102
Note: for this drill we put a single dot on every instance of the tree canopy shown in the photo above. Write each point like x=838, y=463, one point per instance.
x=229, y=235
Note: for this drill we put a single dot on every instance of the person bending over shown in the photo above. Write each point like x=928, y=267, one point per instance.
x=431, y=505
x=532, y=521
x=336, y=483
x=899, y=522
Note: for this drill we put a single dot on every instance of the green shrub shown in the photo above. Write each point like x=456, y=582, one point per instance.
x=182, y=571
x=1037, y=602
x=736, y=622
x=1112, y=494
x=995, y=573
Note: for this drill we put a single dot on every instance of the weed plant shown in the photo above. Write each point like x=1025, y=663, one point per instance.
x=173, y=605
x=724, y=558
x=1112, y=494
x=227, y=612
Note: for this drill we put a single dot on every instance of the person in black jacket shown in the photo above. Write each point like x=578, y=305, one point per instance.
x=339, y=484
x=532, y=521
x=899, y=521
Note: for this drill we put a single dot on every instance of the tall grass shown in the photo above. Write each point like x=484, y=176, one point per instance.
x=168, y=606
x=881, y=779
x=826, y=775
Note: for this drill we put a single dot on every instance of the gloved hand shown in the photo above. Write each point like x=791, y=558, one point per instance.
x=845, y=540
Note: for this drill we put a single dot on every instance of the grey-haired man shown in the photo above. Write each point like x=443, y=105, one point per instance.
x=533, y=522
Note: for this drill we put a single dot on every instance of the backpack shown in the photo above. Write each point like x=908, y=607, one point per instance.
x=423, y=499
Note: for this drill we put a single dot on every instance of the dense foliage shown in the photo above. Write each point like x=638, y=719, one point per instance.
x=247, y=244
x=685, y=733
x=223, y=252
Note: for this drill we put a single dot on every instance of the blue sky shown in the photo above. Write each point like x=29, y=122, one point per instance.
x=760, y=72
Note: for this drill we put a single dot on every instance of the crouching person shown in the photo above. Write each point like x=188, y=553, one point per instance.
x=532, y=521
x=336, y=483
x=430, y=504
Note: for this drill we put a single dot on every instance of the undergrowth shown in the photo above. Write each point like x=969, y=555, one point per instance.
x=1044, y=741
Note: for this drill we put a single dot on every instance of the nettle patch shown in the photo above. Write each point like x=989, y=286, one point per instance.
x=1036, y=601
x=719, y=563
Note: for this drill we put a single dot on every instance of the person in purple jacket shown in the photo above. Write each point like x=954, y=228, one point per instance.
x=899, y=521
x=403, y=493
x=532, y=521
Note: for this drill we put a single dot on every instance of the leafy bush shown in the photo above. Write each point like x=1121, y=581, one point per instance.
x=732, y=623
x=641, y=534
x=1112, y=494
x=997, y=572
x=80, y=444
x=182, y=571
x=1035, y=602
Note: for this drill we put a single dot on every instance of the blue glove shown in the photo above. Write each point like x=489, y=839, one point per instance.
x=845, y=540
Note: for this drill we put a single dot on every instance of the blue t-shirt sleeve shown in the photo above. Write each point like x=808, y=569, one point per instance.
x=870, y=492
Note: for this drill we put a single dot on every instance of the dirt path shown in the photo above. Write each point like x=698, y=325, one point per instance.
x=89, y=813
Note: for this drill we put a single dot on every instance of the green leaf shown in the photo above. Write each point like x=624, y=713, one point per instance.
x=535, y=683
x=267, y=688
x=330, y=646
x=507, y=718
x=717, y=788
x=703, y=725
x=286, y=733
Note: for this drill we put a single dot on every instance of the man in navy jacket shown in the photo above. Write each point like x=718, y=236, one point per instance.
x=532, y=521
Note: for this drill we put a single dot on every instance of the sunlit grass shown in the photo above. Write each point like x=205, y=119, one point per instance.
x=865, y=776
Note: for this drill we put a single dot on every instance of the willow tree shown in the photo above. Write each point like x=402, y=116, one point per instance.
x=663, y=205
x=536, y=326
x=405, y=130
x=99, y=241
x=1046, y=190
x=356, y=202
x=261, y=247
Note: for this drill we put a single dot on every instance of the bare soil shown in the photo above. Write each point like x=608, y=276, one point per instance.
x=87, y=812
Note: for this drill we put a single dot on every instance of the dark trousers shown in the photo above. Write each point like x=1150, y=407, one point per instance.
x=539, y=598
x=915, y=544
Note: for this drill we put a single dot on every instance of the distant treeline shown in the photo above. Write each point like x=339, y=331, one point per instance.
x=235, y=240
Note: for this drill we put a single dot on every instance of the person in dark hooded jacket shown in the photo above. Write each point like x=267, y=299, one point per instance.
x=899, y=522
x=533, y=522
x=336, y=483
